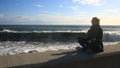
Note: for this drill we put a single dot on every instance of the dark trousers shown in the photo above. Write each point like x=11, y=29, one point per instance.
x=96, y=46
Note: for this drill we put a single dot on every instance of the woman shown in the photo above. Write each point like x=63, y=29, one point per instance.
x=93, y=42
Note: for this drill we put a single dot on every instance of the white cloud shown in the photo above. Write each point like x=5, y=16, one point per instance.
x=15, y=20
x=1, y=15
x=110, y=20
x=39, y=5
x=112, y=11
x=22, y=18
x=88, y=2
x=63, y=19
x=79, y=19
x=76, y=19
x=81, y=13
x=74, y=8
x=45, y=19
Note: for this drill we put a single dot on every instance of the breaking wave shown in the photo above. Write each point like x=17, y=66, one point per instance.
x=11, y=35
x=19, y=43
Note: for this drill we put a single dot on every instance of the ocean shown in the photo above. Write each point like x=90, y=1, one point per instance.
x=19, y=39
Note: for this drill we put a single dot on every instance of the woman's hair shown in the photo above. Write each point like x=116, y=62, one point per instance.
x=95, y=21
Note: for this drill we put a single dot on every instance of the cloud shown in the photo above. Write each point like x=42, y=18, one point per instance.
x=39, y=5
x=21, y=18
x=1, y=15
x=77, y=19
x=15, y=20
x=64, y=19
x=45, y=19
x=88, y=2
x=74, y=8
x=112, y=11
x=110, y=20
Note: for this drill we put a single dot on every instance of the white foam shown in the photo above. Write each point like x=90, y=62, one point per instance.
x=110, y=43
x=111, y=36
x=7, y=30
x=11, y=48
x=58, y=31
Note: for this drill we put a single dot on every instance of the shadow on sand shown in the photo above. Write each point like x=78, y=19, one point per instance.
x=64, y=58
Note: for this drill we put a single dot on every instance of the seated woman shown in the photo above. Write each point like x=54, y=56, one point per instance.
x=93, y=42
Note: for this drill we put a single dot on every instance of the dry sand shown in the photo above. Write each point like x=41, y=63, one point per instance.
x=55, y=57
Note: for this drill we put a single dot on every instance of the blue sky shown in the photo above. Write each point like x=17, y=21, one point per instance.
x=59, y=12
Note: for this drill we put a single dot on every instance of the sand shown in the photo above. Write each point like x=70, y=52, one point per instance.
x=46, y=59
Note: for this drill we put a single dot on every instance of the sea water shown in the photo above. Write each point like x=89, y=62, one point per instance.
x=111, y=36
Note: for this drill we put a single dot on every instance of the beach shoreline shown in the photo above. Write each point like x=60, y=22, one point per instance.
x=51, y=58
x=17, y=43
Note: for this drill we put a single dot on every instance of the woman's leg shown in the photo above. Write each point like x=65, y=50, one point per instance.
x=83, y=43
x=96, y=46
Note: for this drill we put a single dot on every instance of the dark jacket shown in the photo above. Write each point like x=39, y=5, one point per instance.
x=95, y=32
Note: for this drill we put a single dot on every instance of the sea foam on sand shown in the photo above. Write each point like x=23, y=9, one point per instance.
x=11, y=47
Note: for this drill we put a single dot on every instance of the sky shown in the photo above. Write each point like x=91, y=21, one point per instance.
x=59, y=12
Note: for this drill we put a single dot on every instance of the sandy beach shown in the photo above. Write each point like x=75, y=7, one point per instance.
x=46, y=59
x=59, y=33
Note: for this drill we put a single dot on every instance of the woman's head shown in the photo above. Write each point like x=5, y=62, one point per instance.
x=95, y=21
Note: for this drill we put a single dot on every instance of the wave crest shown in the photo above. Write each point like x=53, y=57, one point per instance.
x=111, y=37
x=8, y=30
x=9, y=35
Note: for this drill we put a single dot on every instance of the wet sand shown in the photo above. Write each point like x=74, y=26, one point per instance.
x=65, y=59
